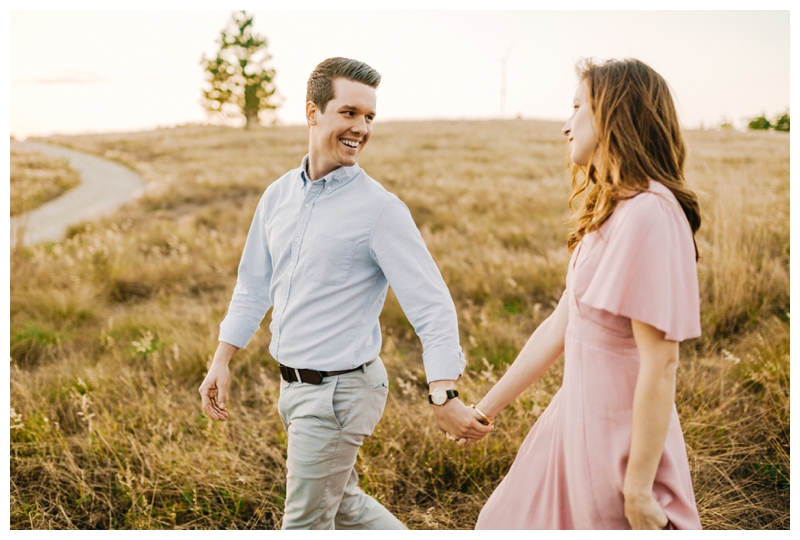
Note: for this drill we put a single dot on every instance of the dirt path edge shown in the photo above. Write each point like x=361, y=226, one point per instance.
x=105, y=186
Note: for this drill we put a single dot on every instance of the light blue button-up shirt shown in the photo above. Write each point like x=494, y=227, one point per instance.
x=323, y=254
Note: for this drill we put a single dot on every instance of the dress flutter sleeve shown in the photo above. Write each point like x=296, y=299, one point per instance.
x=647, y=270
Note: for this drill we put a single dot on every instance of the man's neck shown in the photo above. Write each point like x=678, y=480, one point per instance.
x=316, y=173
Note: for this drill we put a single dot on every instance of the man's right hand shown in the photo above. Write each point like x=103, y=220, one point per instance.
x=214, y=390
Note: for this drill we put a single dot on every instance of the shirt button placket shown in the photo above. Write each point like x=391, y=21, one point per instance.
x=302, y=223
x=299, y=233
x=305, y=214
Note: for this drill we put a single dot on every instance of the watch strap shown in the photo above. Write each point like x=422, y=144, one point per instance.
x=451, y=394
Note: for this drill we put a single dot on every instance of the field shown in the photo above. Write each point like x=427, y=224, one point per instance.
x=36, y=179
x=113, y=328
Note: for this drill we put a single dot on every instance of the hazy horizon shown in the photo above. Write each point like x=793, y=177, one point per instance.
x=121, y=71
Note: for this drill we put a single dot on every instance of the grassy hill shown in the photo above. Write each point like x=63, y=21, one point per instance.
x=36, y=179
x=113, y=328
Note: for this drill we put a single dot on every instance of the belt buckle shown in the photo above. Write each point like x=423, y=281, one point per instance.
x=308, y=376
x=312, y=377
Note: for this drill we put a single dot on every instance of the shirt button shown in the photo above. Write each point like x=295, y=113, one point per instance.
x=329, y=188
x=307, y=205
x=297, y=239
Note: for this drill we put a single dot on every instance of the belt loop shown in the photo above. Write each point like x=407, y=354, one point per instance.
x=297, y=373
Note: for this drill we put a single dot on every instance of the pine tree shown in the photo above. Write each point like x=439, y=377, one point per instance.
x=240, y=78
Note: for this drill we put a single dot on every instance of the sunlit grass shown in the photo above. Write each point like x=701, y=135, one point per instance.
x=112, y=330
x=36, y=179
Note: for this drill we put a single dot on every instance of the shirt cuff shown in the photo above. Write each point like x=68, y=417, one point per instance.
x=443, y=364
x=236, y=332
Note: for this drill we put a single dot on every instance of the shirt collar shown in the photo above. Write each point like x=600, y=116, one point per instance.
x=334, y=179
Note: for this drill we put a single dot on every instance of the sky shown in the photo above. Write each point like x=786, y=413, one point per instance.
x=101, y=71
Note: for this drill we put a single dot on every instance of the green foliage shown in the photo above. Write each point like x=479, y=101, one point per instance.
x=239, y=76
x=782, y=123
x=759, y=123
x=779, y=124
x=32, y=341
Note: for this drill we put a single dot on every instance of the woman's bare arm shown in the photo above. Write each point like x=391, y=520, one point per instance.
x=544, y=347
x=652, y=406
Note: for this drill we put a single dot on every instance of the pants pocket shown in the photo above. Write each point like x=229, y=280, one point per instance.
x=378, y=378
x=282, y=404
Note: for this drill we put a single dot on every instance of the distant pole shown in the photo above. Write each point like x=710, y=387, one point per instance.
x=503, y=64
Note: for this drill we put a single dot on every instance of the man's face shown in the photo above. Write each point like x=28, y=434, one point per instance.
x=337, y=135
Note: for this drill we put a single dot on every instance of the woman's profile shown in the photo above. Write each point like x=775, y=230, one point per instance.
x=608, y=452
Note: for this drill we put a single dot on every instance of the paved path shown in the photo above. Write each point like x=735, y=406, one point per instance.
x=104, y=187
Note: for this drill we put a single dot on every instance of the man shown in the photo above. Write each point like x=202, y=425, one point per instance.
x=325, y=243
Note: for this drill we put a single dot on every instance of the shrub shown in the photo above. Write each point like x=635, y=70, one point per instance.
x=782, y=123
x=760, y=122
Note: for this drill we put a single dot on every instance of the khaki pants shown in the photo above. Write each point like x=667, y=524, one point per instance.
x=327, y=424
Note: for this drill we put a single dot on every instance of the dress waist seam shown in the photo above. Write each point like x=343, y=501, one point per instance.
x=596, y=336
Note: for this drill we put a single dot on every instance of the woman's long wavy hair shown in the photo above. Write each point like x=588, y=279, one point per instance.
x=639, y=139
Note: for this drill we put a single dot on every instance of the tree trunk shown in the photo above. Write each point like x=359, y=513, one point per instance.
x=251, y=105
x=252, y=118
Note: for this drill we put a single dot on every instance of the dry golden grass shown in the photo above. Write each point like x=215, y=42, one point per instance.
x=109, y=349
x=36, y=179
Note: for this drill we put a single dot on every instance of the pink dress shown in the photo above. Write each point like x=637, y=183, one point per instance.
x=570, y=469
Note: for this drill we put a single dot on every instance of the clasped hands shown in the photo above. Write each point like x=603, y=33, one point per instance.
x=460, y=423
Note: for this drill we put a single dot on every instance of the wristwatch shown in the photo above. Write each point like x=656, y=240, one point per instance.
x=440, y=397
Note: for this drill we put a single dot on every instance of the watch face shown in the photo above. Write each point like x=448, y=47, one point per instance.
x=439, y=397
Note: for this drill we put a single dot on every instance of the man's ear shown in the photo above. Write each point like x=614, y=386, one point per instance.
x=311, y=113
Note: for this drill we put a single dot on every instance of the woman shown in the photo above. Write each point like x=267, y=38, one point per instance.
x=608, y=453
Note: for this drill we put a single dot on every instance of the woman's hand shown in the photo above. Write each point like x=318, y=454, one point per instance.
x=464, y=441
x=644, y=512
x=457, y=422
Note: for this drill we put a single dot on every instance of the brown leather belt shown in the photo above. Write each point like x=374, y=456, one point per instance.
x=311, y=376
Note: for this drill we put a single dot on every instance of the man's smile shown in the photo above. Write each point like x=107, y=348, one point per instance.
x=351, y=144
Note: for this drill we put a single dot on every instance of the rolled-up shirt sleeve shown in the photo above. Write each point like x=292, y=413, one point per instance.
x=398, y=248
x=250, y=300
